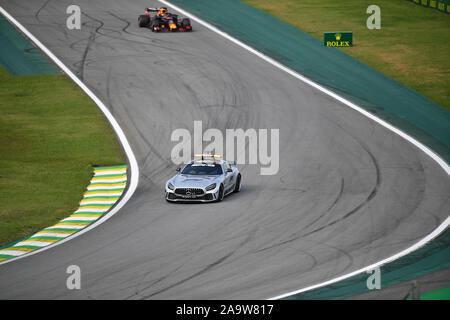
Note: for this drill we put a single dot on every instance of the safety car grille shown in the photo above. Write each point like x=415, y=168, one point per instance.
x=186, y=191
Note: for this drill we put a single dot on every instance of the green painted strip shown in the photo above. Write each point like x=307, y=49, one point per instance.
x=99, y=204
x=113, y=167
x=107, y=190
x=26, y=247
x=108, y=205
x=105, y=209
x=6, y=256
x=35, y=237
x=92, y=213
x=94, y=201
x=108, y=181
x=110, y=176
x=99, y=184
x=69, y=220
x=61, y=229
x=19, y=56
x=101, y=197
x=441, y=294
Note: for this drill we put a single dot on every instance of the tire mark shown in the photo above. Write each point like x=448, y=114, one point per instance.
x=336, y=200
x=297, y=235
x=364, y=202
x=36, y=15
x=206, y=268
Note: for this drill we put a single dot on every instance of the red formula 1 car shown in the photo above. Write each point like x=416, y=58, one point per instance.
x=163, y=21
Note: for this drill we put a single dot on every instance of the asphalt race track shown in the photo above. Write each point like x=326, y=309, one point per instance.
x=348, y=193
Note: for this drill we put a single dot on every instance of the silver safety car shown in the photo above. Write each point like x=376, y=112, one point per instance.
x=207, y=178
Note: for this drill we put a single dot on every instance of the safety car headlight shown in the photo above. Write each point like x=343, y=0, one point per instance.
x=210, y=187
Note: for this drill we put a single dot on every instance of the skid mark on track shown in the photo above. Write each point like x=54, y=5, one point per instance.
x=359, y=206
x=207, y=268
x=336, y=200
x=36, y=15
x=297, y=235
x=372, y=193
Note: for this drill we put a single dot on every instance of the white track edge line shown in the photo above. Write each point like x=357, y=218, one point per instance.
x=133, y=166
x=390, y=127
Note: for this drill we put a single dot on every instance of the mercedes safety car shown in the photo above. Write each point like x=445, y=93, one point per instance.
x=207, y=178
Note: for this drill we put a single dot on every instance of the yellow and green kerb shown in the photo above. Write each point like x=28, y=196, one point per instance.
x=104, y=190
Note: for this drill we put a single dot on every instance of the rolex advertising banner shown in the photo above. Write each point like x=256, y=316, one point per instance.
x=338, y=39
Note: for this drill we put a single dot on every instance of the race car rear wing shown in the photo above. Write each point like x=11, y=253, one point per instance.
x=155, y=9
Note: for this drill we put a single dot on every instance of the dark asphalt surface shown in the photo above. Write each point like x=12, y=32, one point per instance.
x=348, y=193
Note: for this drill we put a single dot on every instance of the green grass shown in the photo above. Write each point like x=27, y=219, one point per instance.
x=51, y=134
x=441, y=294
x=412, y=46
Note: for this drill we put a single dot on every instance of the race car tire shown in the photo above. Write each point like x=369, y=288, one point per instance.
x=155, y=23
x=185, y=22
x=237, y=186
x=143, y=21
x=221, y=193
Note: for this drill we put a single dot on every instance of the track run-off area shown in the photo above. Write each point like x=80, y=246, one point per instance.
x=349, y=192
